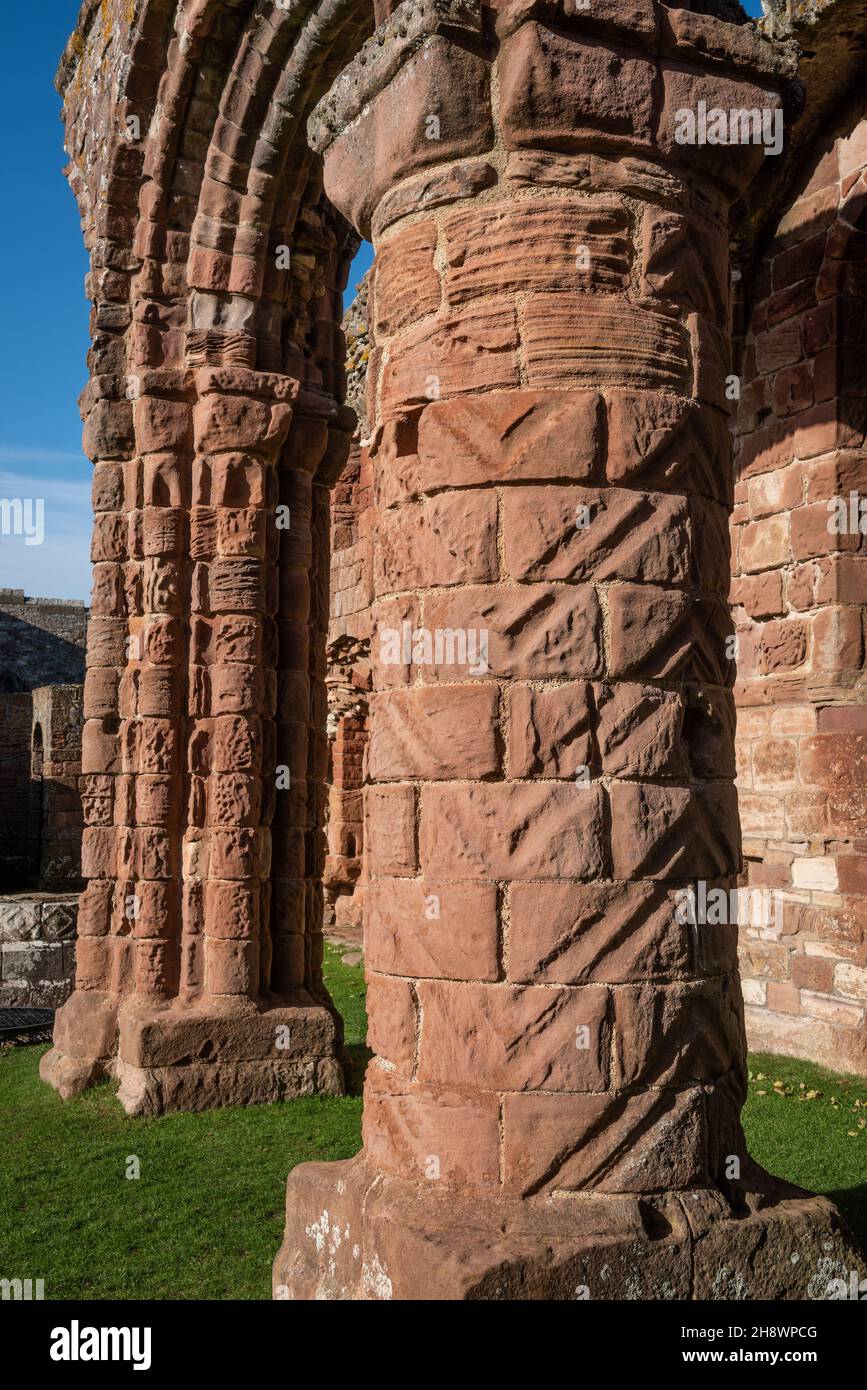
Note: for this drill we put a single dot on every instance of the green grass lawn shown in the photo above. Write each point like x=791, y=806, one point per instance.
x=205, y=1218
x=810, y=1126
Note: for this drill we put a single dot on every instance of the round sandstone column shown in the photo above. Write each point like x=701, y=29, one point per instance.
x=553, y=1105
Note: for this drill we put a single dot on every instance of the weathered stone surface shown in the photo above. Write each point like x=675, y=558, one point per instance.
x=512, y=832
x=532, y=631
x=421, y=928
x=504, y=1038
x=428, y=544
x=572, y=339
x=562, y=92
x=595, y=533
x=536, y=246
x=434, y=734
x=587, y=1143
x=550, y=730
x=569, y=933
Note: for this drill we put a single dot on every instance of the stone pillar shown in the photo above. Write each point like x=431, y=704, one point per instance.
x=553, y=1108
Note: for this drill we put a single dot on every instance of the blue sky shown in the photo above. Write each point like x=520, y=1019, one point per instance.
x=43, y=348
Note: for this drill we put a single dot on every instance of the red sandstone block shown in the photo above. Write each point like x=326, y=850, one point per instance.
x=775, y=764
x=761, y=595
x=677, y=1034
x=107, y=489
x=783, y=998
x=813, y=972
x=450, y=539
x=239, y=854
x=813, y=533
x=658, y=633
x=802, y=261
x=428, y=1133
x=779, y=347
x=590, y=533
x=775, y=492
x=550, y=730
x=225, y=423
x=531, y=631
x=231, y=967
x=390, y=830
x=667, y=832
x=424, y=928
x=407, y=287
x=516, y=436
x=656, y=439
x=94, y=908
x=161, y=425
x=573, y=338
x=566, y=933
x=512, y=246
x=685, y=262
x=391, y=1028
x=450, y=356
x=796, y=388
x=558, y=90
x=843, y=719
x=731, y=167
x=499, y=1037
x=842, y=579
x=838, y=640
x=511, y=831
x=388, y=619
x=640, y=731
x=434, y=733
x=236, y=744
x=93, y=962
x=108, y=431
x=765, y=544
x=834, y=761
x=594, y=1142
x=784, y=645
x=391, y=138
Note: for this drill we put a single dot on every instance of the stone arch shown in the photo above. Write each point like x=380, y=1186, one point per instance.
x=800, y=596
x=216, y=398
x=505, y=1079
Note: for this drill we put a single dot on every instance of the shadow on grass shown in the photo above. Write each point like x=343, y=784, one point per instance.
x=851, y=1202
x=357, y=1057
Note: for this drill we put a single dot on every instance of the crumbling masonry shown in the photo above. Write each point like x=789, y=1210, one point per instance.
x=554, y=1103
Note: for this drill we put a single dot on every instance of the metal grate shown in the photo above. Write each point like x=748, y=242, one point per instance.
x=18, y=1023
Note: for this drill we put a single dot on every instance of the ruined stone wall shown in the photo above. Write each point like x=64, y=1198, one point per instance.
x=348, y=651
x=42, y=640
x=799, y=591
x=56, y=739
x=19, y=795
x=37, y=949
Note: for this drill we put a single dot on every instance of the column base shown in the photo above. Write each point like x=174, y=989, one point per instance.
x=193, y=1058
x=354, y=1233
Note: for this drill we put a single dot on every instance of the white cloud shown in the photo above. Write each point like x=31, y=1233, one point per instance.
x=60, y=567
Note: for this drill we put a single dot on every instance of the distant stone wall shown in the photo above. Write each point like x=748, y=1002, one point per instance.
x=37, y=950
x=19, y=795
x=41, y=639
x=349, y=676
x=800, y=603
x=57, y=728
